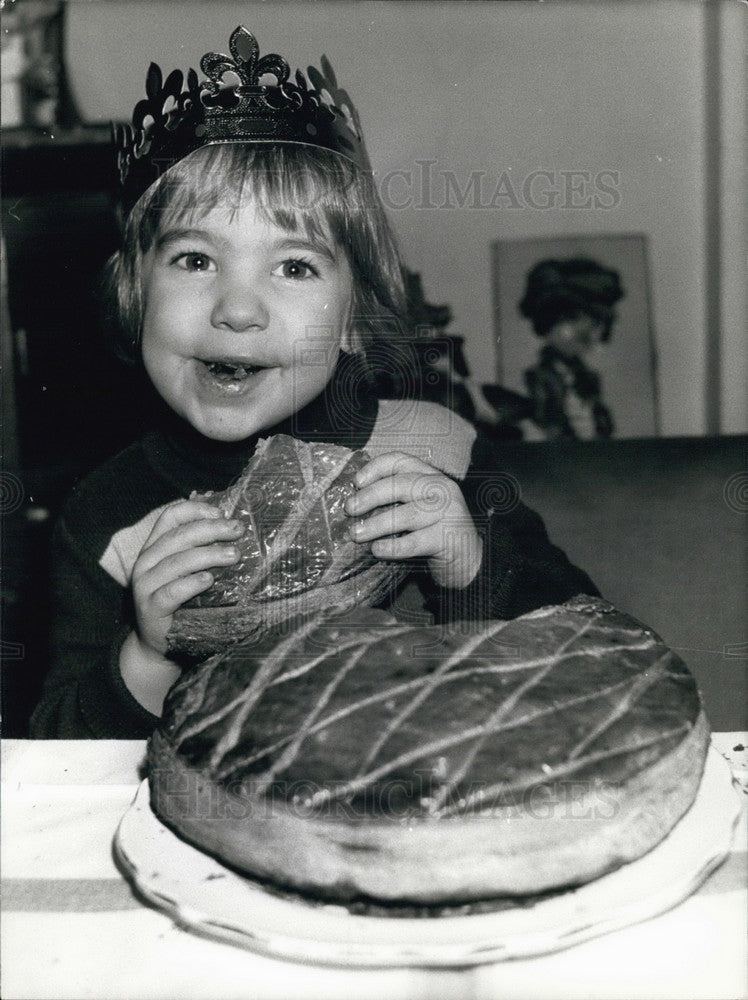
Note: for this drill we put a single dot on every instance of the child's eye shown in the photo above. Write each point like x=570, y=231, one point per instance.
x=296, y=269
x=194, y=261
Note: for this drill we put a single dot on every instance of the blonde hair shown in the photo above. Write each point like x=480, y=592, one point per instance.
x=299, y=188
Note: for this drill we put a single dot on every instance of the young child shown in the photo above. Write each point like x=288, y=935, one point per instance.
x=254, y=270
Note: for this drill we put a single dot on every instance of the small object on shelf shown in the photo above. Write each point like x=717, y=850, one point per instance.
x=35, y=91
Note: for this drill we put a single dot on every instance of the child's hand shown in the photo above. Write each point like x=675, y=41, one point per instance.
x=430, y=518
x=187, y=540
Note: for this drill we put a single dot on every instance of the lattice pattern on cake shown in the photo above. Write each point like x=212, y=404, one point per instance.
x=356, y=706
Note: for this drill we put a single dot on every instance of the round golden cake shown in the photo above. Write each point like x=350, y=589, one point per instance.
x=357, y=758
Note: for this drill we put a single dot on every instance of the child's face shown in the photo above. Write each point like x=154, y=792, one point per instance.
x=243, y=320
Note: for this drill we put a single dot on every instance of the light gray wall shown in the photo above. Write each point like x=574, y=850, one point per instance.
x=502, y=88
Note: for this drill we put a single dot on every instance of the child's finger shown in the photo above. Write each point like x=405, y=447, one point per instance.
x=186, y=536
x=174, y=594
x=423, y=543
x=392, y=521
x=452, y=563
x=390, y=464
x=181, y=564
x=182, y=512
x=380, y=493
x=432, y=493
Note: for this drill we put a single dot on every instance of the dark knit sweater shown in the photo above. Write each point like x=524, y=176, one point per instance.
x=84, y=695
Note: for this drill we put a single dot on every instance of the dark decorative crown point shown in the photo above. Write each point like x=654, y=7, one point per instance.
x=244, y=62
x=235, y=103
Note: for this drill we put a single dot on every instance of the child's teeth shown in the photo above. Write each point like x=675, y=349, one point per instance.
x=225, y=369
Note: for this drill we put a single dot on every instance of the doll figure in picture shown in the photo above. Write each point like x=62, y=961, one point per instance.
x=570, y=304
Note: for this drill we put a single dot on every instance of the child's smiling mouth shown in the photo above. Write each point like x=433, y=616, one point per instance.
x=233, y=370
x=228, y=374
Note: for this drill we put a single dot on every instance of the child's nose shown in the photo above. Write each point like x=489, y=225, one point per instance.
x=239, y=305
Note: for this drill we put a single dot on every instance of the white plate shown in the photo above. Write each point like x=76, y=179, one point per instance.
x=201, y=894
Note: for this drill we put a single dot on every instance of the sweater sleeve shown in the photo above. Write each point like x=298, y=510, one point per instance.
x=84, y=696
x=521, y=569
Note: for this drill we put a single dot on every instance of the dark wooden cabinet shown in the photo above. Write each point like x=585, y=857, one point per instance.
x=72, y=396
x=67, y=401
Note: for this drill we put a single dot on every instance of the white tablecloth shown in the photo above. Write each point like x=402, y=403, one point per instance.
x=72, y=927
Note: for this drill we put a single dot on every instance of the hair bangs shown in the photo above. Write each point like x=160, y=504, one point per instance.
x=297, y=188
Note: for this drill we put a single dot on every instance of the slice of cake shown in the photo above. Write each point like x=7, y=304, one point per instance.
x=296, y=554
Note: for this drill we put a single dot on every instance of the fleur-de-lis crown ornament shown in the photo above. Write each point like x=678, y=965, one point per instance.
x=234, y=103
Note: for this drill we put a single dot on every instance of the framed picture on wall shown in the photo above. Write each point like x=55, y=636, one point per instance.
x=574, y=331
